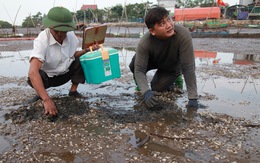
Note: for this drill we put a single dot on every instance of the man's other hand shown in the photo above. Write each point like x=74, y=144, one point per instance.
x=193, y=103
x=150, y=98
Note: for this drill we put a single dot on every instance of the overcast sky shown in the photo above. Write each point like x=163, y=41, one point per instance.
x=23, y=8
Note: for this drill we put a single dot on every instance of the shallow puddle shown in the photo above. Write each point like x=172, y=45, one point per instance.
x=17, y=62
x=4, y=144
x=14, y=63
x=211, y=58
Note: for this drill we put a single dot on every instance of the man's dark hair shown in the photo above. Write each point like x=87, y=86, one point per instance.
x=155, y=15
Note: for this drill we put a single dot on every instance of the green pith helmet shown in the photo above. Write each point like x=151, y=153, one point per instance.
x=59, y=19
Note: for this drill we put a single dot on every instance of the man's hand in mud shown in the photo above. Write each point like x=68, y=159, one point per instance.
x=193, y=103
x=50, y=108
x=150, y=98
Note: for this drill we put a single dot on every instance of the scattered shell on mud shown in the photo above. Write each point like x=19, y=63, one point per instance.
x=95, y=133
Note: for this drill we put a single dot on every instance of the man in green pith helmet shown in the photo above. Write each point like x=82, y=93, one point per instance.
x=166, y=48
x=54, y=59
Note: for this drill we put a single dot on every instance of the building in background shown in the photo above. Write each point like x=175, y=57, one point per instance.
x=86, y=7
x=248, y=2
x=168, y=4
x=245, y=2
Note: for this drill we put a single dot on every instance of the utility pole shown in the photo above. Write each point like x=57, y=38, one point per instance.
x=124, y=13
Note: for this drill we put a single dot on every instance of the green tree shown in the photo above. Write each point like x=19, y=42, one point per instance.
x=100, y=15
x=33, y=21
x=89, y=15
x=116, y=13
x=5, y=24
x=111, y=14
x=194, y=3
x=135, y=10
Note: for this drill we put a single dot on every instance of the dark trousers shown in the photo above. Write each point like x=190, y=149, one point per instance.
x=75, y=74
x=162, y=80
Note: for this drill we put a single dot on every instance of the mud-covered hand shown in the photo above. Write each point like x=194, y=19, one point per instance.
x=193, y=103
x=150, y=98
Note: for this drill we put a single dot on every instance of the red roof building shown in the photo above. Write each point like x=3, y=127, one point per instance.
x=86, y=7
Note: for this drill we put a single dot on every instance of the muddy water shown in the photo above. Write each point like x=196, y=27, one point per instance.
x=111, y=123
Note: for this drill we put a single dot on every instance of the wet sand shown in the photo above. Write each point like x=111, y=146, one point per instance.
x=113, y=125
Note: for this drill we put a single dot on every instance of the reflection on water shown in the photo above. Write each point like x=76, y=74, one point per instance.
x=211, y=57
x=231, y=96
x=17, y=63
x=14, y=63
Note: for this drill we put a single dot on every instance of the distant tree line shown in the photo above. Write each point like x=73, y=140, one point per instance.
x=195, y=3
x=131, y=12
x=111, y=14
x=5, y=24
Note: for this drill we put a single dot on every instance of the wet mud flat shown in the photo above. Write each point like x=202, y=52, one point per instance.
x=104, y=128
x=112, y=124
